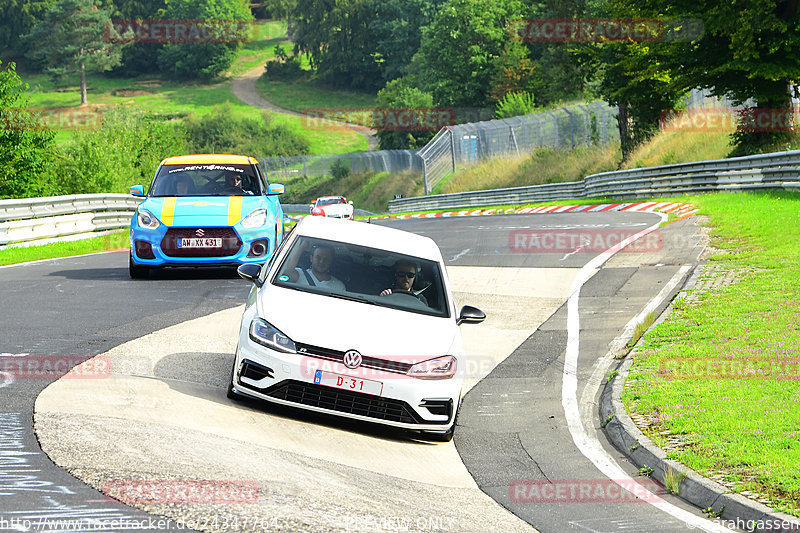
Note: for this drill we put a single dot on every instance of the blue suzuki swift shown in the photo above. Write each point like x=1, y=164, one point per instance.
x=205, y=210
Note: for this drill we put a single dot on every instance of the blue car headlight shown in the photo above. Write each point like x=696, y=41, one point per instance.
x=268, y=335
x=146, y=219
x=255, y=219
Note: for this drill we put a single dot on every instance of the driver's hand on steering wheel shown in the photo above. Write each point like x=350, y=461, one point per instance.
x=385, y=292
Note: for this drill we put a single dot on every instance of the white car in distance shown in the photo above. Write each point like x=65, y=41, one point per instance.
x=333, y=207
x=322, y=331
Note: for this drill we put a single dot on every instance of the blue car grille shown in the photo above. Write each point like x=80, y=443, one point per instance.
x=231, y=243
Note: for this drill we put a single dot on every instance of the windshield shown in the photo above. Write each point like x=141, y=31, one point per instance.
x=205, y=180
x=330, y=201
x=368, y=275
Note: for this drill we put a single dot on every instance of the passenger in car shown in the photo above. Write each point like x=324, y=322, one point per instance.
x=319, y=274
x=403, y=279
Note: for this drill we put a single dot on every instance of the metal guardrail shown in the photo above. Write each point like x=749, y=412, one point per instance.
x=779, y=170
x=38, y=219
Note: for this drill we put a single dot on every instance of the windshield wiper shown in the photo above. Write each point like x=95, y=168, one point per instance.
x=360, y=299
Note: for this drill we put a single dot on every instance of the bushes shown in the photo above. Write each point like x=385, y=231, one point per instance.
x=26, y=148
x=222, y=131
x=125, y=151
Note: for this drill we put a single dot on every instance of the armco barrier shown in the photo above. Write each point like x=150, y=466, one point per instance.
x=779, y=170
x=35, y=219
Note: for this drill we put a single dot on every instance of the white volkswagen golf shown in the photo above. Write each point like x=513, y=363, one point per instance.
x=355, y=320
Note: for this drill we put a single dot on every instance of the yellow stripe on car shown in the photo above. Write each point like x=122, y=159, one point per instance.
x=168, y=211
x=234, y=210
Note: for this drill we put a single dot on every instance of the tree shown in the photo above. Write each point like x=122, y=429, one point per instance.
x=70, y=40
x=203, y=60
x=139, y=57
x=398, y=97
x=337, y=38
x=397, y=29
x=633, y=78
x=26, y=146
x=748, y=50
x=461, y=49
x=18, y=17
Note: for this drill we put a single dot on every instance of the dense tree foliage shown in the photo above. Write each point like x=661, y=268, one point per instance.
x=26, y=146
x=749, y=49
x=70, y=40
x=461, y=50
x=18, y=17
x=139, y=57
x=396, y=98
x=203, y=60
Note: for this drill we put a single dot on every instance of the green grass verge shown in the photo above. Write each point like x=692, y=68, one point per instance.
x=112, y=241
x=742, y=426
x=306, y=94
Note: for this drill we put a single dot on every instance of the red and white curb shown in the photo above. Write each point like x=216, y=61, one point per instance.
x=678, y=209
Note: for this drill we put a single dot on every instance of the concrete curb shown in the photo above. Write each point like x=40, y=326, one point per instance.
x=694, y=488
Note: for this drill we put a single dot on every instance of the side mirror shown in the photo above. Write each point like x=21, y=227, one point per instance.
x=470, y=315
x=137, y=190
x=276, y=188
x=250, y=272
x=350, y=202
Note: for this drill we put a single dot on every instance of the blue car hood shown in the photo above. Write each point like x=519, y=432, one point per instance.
x=205, y=210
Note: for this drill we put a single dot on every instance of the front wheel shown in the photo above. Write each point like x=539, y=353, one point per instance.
x=137, y=271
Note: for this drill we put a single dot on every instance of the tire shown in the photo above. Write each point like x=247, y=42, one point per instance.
x=137, y=271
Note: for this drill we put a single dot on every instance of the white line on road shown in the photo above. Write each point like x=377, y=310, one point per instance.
x=461, y=254
x=588, y=445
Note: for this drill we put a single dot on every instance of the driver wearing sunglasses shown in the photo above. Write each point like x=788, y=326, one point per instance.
x=405, y=272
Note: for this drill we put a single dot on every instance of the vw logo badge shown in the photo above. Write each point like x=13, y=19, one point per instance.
x=200, y=232
x=352, y=359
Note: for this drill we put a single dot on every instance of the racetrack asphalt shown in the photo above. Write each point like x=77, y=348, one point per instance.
x=501, y=436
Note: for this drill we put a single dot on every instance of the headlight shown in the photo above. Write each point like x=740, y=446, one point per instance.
x=268, y=335
x=439, y=368
x=146, y=219
x=255, y=219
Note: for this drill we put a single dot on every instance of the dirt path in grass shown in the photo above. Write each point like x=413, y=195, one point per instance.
x=244, y=88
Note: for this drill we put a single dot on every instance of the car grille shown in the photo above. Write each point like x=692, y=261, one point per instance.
x=354, y=403
x=230, y=242
x=375, y=363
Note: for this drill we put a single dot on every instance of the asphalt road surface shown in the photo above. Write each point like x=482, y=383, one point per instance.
x=517, y=429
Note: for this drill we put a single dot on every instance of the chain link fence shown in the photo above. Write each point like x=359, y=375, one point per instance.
x=465, y=144
x=278, y=168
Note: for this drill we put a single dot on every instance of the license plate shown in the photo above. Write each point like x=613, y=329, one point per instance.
x=367, y=386
x=207, y=242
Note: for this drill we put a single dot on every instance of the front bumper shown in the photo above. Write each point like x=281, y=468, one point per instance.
x=153, y=247
x=289, y=379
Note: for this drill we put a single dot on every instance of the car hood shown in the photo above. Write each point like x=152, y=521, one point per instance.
x=343, y=325
x=203, y=210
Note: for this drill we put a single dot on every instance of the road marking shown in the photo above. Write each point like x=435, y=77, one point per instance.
x=588, y=445
x=461, y=254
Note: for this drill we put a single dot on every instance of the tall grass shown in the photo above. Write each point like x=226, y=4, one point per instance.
x=545, y=165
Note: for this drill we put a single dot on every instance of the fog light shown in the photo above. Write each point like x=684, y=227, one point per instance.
x=259, y=248
x=144, y=250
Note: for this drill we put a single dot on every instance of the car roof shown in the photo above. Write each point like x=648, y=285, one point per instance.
x=209, y=159
x=372, y=235
x=329, y=198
